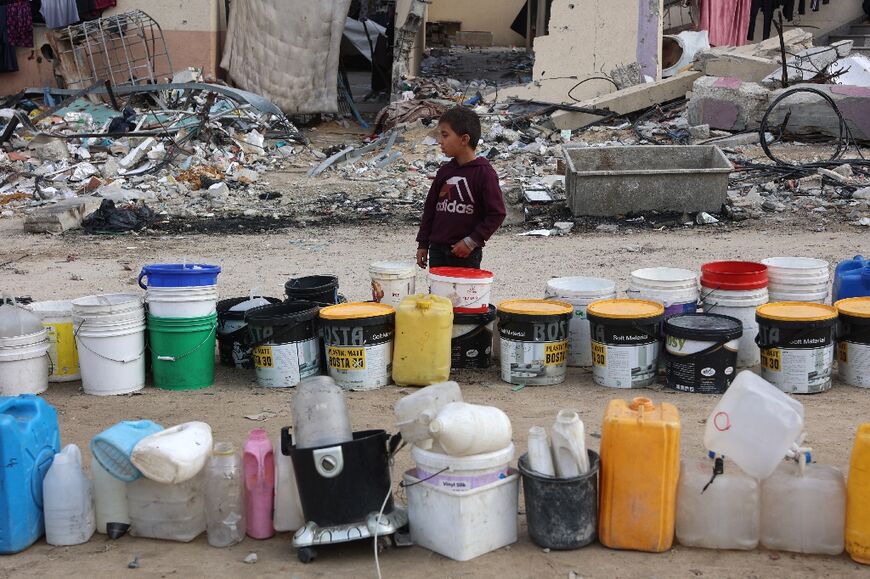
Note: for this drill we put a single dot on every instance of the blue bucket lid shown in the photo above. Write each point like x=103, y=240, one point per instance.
x=113, y=447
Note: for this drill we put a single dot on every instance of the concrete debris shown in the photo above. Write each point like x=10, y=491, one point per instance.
x=727, y=103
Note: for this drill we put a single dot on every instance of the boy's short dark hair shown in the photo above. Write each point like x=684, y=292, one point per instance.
x=463, y=121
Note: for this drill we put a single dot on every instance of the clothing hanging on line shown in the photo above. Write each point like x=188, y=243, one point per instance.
x=19, y=24
x=726, y=21
x=59, y=13
x=8, y=60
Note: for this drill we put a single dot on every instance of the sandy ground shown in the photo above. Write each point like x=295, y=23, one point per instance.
x=74, y=265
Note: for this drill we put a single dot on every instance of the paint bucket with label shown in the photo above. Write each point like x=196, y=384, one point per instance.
x=701, y=352
x=534, y=341
x=359, y=344
x=579, y=292
x=57, y=319
x=625, y=341
x=471, y=344
x=286, y=347
x=467, y=288
x=674, y=288
x=234, y=339
x=320, y=289
x=392, y=281
x=853, y=341
x=462, y=473
x=797, y=279
x=740, y=304
x=797, y=345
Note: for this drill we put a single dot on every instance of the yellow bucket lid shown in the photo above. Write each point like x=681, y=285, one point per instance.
x=796, y=312
x=624, y=309
x=855, y=307
x=356, y=310
x=536, y=307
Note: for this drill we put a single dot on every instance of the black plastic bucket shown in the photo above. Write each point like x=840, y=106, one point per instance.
x=359, y=485
x=561, y=513
x=472, y=348
x=234, y=346
x=701, y=352
x=286, y=343
x=320, y=289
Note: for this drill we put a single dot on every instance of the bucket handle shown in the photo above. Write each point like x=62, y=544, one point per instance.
x=186, y=354
x=142, y=274
x=98, y=355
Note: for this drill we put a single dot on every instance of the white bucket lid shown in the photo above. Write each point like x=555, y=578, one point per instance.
x=663, y=278
x=581, y=287
x=393, y=268
x=797, y=264
x=438, y=461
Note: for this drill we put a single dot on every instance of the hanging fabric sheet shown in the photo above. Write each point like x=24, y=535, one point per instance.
x=19, y=24
x=59, y=13
x=8, y=60
x=726, y=21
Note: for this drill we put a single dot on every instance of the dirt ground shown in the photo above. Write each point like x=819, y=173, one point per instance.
x=73, y=265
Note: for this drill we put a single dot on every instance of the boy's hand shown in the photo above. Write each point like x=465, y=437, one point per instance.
x=460, y=249
x=422, y=258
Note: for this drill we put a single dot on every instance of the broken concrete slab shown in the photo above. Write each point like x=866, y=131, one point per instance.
x=811, y=115
x=809, y=63
x=727, y=103
x=629, y=100
x=746, y=67
x=795, y=39
x=62, y=216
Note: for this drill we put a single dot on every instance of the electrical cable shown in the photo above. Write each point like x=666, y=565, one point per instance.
x=607, y=78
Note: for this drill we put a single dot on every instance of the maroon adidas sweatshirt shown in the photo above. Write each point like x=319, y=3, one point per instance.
x=464, y=201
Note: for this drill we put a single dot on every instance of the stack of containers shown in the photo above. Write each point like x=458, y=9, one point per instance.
x=580, y=292
x=735, y=289
x=24, y=345
x=110, y=338
x=676, y=289
x=462, y=495
x=182, y=323
x=797, y=279
x=469, y=290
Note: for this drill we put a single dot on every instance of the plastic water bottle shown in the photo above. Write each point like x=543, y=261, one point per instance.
x=463, y=429
x=320, y=416
x=68, y=500
x=224, y=496
x=288, y=507
x=110, y=498
x=540, y=456
x=259, y=461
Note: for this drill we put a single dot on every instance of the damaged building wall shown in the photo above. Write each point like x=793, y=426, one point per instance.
x=494, y=16
x=403, y=9
x=829, y=17
x=193, y=31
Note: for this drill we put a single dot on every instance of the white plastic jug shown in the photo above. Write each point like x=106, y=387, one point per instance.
x=540, y=456
x=803, y=508
x=415, y=411
x=755, y=425
x=173, y=512
x=463, y=429
x=288, y=506
x=224, y=496
x=68, y=502
x=569, y=445
x=110, y=497
x=320, y=416
x=174, y=455
x=717, y=512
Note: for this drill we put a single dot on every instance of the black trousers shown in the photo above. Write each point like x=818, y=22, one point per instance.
x=440, y=256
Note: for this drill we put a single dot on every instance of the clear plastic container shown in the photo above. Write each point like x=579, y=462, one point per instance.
x=68, y=501
x=721, y=512
x=173, y=512
x=755, y=425
x=803, y=508
x=569, y=445
x=415, y=411
x=288, y=507
x=424, y=330
x=259, y=465
x=320, y=416
x=463, y=429
x=110, y=497
x=174, y=455
x=224, y=496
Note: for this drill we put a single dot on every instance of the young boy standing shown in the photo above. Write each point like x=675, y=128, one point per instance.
x=464, y=206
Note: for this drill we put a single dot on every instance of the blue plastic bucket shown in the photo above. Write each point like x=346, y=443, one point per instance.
x=179, y=275
x=113, y=447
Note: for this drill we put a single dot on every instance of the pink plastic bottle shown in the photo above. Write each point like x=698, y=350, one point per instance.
x=259, y=484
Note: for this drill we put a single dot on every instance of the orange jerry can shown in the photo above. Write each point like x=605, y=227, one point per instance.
x=640, y=468
x=858, y=498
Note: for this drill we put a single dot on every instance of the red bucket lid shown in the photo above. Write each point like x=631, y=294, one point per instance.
x=734, y=275
x=461, y=272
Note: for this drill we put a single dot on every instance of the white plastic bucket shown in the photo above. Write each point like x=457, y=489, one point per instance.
x=24, y=368
x=392, y=281
x=739, y=304
x=462, y=473
x=106, y=304
x=674, y=288
x=580, y=292
x=468, y=289
x=111, y=356
x=58, y=320
x=182, y=302
x=797, y=279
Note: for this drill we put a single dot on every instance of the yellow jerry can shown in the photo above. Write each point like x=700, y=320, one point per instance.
x=424, y=328
x=858, y=498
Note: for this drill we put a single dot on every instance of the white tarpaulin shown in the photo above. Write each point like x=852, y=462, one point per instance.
x=355, y=32
x=287, y=51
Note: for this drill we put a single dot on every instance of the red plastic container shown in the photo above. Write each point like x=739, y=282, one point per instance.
x=734, y=275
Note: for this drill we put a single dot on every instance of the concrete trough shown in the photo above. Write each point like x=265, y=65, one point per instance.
x=611, y=181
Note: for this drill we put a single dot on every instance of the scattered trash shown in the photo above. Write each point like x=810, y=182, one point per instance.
x=250, y=559
x=134, y=564
x=110, y=218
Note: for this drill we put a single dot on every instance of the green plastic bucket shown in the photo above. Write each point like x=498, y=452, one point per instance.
x=182, y=352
